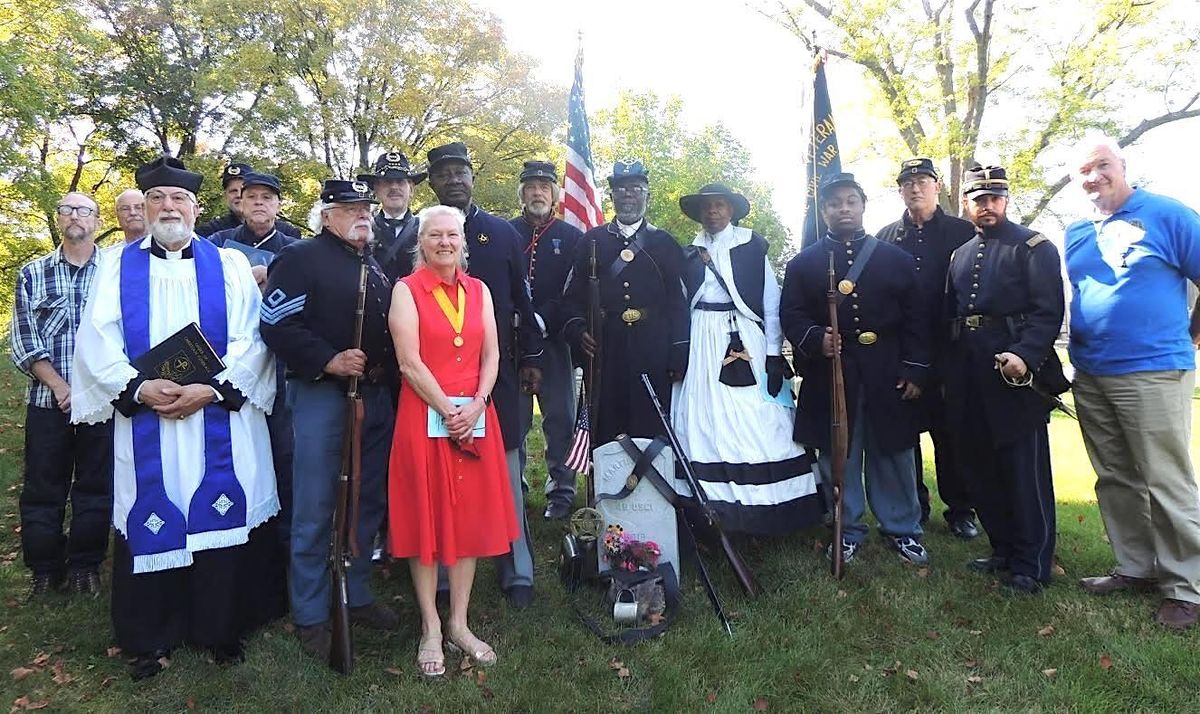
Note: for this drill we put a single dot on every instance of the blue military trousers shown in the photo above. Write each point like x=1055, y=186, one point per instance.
x=557, y=400
x=885, y=480
x=318, y=422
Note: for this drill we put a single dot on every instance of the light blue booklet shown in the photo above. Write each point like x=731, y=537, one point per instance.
x=437, y=425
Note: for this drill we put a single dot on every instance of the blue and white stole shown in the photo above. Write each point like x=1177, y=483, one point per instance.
x=159, y=535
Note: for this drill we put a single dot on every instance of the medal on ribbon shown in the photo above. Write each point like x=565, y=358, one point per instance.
x=455, y=314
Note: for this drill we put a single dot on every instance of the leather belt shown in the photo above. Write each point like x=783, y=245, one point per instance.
x=716, y=306
x=974, y=322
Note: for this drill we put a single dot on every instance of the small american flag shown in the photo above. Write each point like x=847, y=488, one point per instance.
x=579, y=456
x=580, y=199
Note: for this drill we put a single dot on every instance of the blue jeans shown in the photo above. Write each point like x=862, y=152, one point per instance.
x=557, y=400
x=888, y=484
x=318, y=421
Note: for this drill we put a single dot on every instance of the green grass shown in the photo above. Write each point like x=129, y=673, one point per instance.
x=890, y=637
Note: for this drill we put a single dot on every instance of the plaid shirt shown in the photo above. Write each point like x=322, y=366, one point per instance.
x=46, y=315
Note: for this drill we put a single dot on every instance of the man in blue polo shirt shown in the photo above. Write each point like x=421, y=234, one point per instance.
x=1133, y=348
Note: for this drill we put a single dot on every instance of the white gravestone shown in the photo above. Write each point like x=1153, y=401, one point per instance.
x=643, y=514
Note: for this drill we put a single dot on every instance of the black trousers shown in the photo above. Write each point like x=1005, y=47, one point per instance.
x=952, y=484
x=65, y=462
x=213, y=604
x=1014, y=496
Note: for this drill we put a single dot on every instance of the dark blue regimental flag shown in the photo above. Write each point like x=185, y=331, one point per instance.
x=821, y=150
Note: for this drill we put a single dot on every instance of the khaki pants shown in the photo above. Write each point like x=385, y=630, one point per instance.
x=1136, y=428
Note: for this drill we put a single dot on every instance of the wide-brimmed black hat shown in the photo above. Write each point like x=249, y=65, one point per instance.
x=253, y=178
x=167, y=171
x=339, y=191
x=842, y=179
x=913, y=167
x=539, y=170
x=691, y=203
x=628, y=170
x=981, y=180
x=454, y=151
x=234, y=171
x=392, y=165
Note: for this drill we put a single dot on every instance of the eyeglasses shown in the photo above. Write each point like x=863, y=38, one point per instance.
x=139, y=208
x=636, y=189
x=922, y=182
x=81, y=211
x=158, y=197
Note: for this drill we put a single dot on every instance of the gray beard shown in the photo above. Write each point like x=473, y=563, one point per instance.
x=75, y=234
x=539, y=214
x=171, y=236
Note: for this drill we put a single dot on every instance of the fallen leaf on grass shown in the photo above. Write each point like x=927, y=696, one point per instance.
x=190, y=704
x=480, y=677
x=113, y=651
x=711, y=697
x=486, y=693
x=615, y=663
x=889, y=671
x=1050, y=672
x=912, y=674
x=1046, y=631
x=854, y=678
x=41, y=660
x=974, y=679
x=975, y=632
x=1079, y=518
x=761, y=704
x=623, y=673
x=106, y=681
x=60, y=675
x=1106, y=662
x=932, y=635
x=972, y=663
x=394, y=671
x=21, y=673
x=841, y=593
x=24, y=703
x=164, y=662
x=1059, y=570
x=922, y=572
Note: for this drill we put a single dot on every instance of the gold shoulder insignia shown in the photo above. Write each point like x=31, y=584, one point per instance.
x=1036, y=240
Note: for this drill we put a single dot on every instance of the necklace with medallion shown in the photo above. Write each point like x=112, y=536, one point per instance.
x=456, y=314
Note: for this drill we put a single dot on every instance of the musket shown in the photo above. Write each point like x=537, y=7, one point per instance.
x=744, y=577
x=839, y=428
x=595, y=328
x=345, y=514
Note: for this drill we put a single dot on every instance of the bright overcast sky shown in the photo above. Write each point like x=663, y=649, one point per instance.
x=730, y=64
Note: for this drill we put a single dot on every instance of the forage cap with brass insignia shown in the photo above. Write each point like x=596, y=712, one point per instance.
x=233, y=171
x=392, y=165
x=916, y=167
x=628, y=169
x=340, y=191
x=982, y=180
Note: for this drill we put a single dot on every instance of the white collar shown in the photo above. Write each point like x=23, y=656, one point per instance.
x=627, y=231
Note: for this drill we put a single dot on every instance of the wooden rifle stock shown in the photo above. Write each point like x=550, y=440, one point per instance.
x=839, y=425
x=595, y=327
x=741, y=571
x=345, y=514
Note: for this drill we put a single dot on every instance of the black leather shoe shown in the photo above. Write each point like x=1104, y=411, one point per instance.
x=83, y=582
x=964, y=528
x=45, y=583
x=519, y=596
x=988, y=565
x=146, y=666
x=557, y=510
x=1023, y=584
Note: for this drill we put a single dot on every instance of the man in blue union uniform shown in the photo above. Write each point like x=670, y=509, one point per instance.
x=392, y=180
x=548, y=245
x=1004, y=302
x=884, y=342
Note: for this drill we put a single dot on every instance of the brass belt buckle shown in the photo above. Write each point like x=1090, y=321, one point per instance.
x=867, y=338
x=973, y=321
x=631, y=315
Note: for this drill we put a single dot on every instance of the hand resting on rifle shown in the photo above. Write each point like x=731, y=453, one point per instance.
x=828, y=342
x=347, y=363
x=588, y=343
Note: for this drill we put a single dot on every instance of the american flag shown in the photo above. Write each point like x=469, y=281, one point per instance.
x=579, y=456
x=580, y=200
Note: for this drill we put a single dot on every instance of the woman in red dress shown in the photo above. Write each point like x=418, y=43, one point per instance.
x=449, y=497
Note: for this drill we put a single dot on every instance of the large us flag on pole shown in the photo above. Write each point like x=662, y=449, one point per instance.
x=580, y=200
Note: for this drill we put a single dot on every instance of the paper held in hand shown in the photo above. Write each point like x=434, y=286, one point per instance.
x=437, y=425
